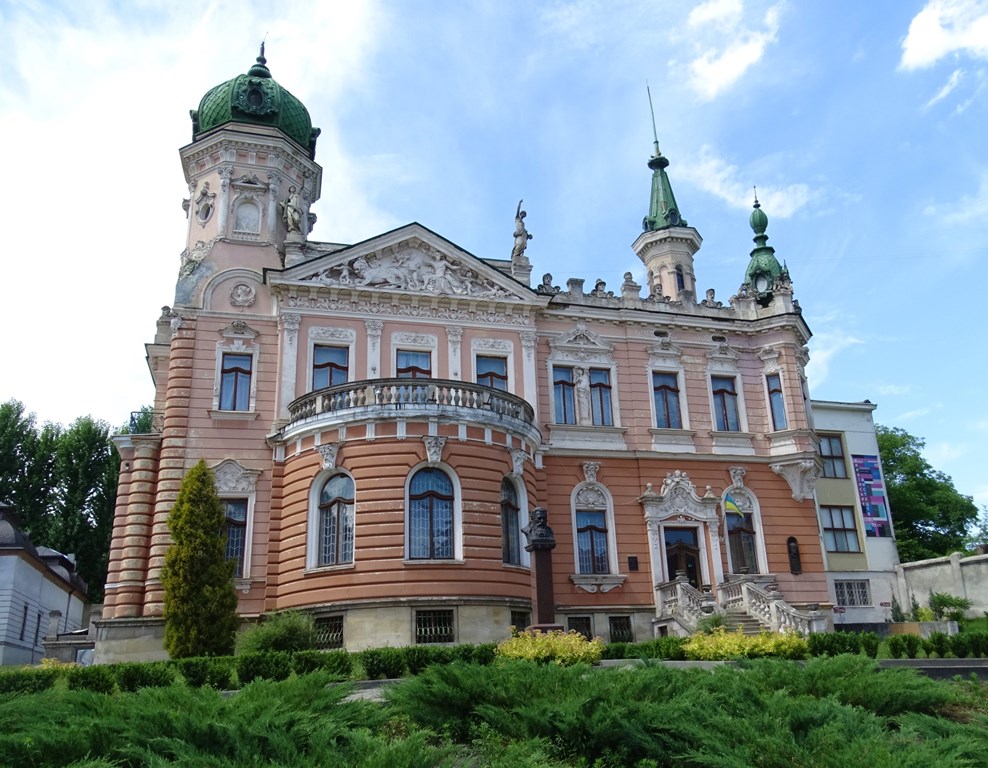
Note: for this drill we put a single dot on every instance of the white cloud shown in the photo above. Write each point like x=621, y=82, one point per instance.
x=947, y=89
x=824, y=346
x=916, y=413
x=944, y=27
x=724, y=180
x=893, y=389
x=722, y=62
x=942, y=453
x=969, y=208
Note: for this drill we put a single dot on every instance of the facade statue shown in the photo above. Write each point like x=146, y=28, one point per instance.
x=292, y=210
x=546, y=287
x=583, y=415
x=521, y=234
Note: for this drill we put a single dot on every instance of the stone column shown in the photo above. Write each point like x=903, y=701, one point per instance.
x=172, y=461
x=541, y=542
x=290, y=323
x=374, y=328
x=528, y=340
x=454, y=334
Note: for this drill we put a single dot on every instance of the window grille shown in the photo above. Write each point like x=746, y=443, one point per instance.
x=520, y=619
x=434, y=627
x=853, y=593
x=621, y=631
x=329, y=632
x=582, y=625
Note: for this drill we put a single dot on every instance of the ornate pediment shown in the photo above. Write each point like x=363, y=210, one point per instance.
x=581, y=344
x=411, y=260
x=678, y=500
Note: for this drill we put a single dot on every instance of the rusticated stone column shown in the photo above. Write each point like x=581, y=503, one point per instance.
x=171, y=466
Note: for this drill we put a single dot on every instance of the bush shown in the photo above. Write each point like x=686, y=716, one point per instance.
x=28, y=680
x=335, y=662
x=720, y=645
x=484, y=654
x=938, y=643
x=960, y=645
x=949, y=607
x=98, y=678
x=210, y=671
x=269, y=665
x=565, y=648
x=286, y=631
x=131, y=676
x=616, y=650
x=897, y=646
x=869, y=644
x=911, y=644
x=669, y=648
x=834, y=643
x=383, y=663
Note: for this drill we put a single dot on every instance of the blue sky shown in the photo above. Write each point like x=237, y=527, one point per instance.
x=861, y=124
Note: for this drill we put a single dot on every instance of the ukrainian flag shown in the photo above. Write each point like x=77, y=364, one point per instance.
x=731, y=506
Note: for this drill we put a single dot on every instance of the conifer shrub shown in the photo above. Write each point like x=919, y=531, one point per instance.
x=616, y=650
x=960, y=645
x=911, y=645
x=668, y=648
x=870, y=641
x=947, y=606
x=207, y=671
x=938, y=643
x=98, y=678
x=383, y=663
x=133, y=675
x=28, y=680
x=897, y=646
x=564, y=648
x=265, y=665
x=336, y=662
x=484, y=653
x=200, y=602
x=285, y=631
x=721, y=645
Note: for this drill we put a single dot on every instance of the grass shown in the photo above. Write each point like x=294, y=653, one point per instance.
x=766, y=713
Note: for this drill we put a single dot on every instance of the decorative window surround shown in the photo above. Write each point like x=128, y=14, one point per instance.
x=331, y=337
x=235, y=481
x=746, y=501
x=238, y=338
x=672, y=440
x=313, y=524
x=457, y=558
x=593, y=496
x=494, y=348
x=722, y=360
x=414, y=342
x=733, y=443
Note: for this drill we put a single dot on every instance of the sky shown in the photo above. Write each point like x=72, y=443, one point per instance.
x=864, y=127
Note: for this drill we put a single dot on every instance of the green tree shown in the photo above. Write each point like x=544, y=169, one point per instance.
x=931, y=517
x=27, y=467
x=200, y=599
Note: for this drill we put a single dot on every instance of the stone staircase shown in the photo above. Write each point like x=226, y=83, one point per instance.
x=738, y=617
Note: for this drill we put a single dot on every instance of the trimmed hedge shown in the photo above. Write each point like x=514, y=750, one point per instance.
x=99, y=678
x=383, y=663
x=133, y=675
x=267, y=665
x=28, y=680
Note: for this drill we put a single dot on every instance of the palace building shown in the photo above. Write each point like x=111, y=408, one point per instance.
x=383, y=418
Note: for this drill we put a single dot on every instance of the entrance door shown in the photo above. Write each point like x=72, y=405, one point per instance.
x=683, y=554
x=741, y=540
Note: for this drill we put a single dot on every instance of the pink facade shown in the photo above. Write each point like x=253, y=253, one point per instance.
x=382, y=418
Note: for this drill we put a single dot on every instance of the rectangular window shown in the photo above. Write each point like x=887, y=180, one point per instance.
x=620, y=627
x=839, y=532
x=330, y=366
x=665, y=393
x=510, y=538
x=492, y=372
x=520, y=619
x=776, y=401
x=329, y=632
x=37, y=629
x=235, y=373
x=413, y=365
x=236, y=532
x=591, y=541
x=600, y=397
x=24, y=622
x=853, y=593
x=832, y=452
x=725, y=394
x=434, y=627
x=562, y=393
x=582, y=625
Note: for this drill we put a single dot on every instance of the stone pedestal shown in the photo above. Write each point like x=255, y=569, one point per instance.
x=541, y=542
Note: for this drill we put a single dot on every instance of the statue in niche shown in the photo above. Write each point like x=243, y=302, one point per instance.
x=546, y=288
x=582, y=387
x=292, y=210
x=521, y=234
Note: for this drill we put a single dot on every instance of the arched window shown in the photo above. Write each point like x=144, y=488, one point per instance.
x=335, y=544
x=430, y=516
x=510, y=543
x=680, y=279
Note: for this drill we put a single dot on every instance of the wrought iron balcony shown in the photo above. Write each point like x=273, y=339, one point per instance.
x=383, y=399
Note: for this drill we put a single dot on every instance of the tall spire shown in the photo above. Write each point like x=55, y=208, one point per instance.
x=763, y=268
x=662, y=209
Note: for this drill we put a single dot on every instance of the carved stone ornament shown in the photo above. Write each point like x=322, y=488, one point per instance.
x=243, y=295
x=410, y=267
x=205, y=204
x=801, y=476
x=518, y=458
x=414, y=339
x=233, y=477
x=494, y=345
x=590, y=469
x=192, y=257
x=679, y=499
x=591, y=497
x=581, y=345
x=332, y=334
x=737, y=475
x=362, y=307
x=290, y=323
x=528, y=339
x=329, y=452
x=454, y=333
x=434, y=448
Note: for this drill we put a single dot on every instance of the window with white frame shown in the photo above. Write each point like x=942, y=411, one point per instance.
x=235, y=531
x=236, y=374
x=335, y=521
x=600, y=397
x=853, y=593
x=510, y=530
x=330, y=365
x=839, y=530
x=492, y=371
x=431, y=515
x=563, y=388
x=591, y=541
x=413, y=364
x=236, y=487
x=776, y=401
x=725, y=398
x=665, y=397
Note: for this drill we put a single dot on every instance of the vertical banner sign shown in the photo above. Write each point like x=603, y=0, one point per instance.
x=871, y=492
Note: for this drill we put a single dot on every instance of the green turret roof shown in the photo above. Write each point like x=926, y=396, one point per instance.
x=763, y=268
x=258, y=99
x=662, y=209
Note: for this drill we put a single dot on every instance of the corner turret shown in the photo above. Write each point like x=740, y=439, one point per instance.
x=764, y=270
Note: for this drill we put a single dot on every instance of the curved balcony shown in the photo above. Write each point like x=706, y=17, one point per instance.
x=389, y=399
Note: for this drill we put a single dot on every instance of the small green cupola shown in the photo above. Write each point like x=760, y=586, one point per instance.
x=256, y=98
x=662, y=209
x=764, y=269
